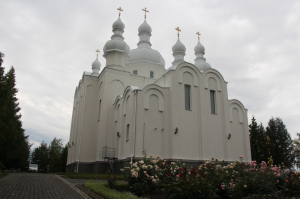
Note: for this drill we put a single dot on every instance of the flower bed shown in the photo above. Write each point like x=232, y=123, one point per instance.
x=213, y=179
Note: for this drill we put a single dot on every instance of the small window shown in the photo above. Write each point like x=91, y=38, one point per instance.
x=151, y=74
x=99, y=110
x=135, y=72
x=213, y=101
x=127, y=133
x=187, y=94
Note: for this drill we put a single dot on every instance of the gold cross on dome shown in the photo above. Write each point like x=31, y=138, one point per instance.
x=145, y=10
x=98, y=51
x=178, y=30
x=120, y=10
x=198, y=34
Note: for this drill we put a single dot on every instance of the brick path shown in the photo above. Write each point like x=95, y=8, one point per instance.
x=35, y=185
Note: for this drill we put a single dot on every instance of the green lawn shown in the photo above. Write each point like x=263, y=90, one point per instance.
x=101, y=188
x=88, y=176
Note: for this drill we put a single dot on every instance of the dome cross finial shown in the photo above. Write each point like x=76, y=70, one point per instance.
x=198, y=35
x=178, y=30
x=98, y=51
x=145, y=10
x=120, y=10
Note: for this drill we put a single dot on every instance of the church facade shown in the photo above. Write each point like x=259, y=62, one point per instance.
x=136, y=107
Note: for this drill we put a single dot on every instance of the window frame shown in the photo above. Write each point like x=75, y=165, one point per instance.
x=135, y=72
x=152, y=74
x=99, y=109
x=212, y=97
x=187, y=97
x=127, y=132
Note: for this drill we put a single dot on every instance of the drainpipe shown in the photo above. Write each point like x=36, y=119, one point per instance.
x=134, y=125
x=82, y=123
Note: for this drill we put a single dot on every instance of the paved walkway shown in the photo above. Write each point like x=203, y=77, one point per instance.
x=36, y=185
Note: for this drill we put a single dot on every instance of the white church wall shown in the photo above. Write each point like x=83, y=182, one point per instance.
x=89, y=120
x=188, y=123
x=144, y=68
x=214, y=127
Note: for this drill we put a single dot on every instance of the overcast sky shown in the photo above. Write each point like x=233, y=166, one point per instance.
x=254, y=44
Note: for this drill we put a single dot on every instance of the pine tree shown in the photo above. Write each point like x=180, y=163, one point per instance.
x=281, y=147
x=63, y=158
x=257, y=134
x=2, y=86
x=14, y=144
x=296, y=142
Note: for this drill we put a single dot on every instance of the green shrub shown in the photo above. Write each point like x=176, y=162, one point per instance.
x=142, y=177
x=102, y=189
x=211, y=179
x=292, y=184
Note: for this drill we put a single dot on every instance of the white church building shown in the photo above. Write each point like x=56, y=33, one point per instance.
x=135, y=107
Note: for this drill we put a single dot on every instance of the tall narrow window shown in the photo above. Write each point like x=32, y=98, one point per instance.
x=135, y=72
x=151, y=74
x=187, y=94
x=127, y=133
x=213, y=101
x=99, y=110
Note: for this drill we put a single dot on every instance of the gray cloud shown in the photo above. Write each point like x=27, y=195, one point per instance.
x=254, y=44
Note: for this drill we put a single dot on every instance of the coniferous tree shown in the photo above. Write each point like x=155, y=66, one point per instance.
x=14, y=144
x=281, y=147
x=257, y=142
x=63, y=157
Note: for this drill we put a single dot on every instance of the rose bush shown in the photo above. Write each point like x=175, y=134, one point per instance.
x=213, y=179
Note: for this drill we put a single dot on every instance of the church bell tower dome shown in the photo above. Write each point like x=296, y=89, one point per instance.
x=199, y=48
x=200, y=61
x=117, y=42
x=118, y=25
x=145, y=28
x=96, y=66
x=116, y=50
x=144, y=52
x=178, y=48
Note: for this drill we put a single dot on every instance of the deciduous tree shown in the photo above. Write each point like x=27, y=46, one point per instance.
x=40, y=156
x=296, y=142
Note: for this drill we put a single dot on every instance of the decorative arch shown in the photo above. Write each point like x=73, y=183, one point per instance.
x=158, y=93
x=125, y=103
x=214, y=76
x=117, y=80
x=236, y=106
x=189, y=70
x=117, y=104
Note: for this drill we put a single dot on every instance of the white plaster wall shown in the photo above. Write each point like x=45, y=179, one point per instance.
x=144, y=69
x=201, y=135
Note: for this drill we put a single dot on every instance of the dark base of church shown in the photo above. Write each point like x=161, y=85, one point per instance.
x=103, y=166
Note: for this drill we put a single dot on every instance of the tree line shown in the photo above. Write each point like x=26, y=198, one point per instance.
x=50, y=158
x=273, y=141
x=14, y=144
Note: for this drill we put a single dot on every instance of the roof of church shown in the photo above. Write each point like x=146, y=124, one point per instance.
x=147, y=55
x=144, y=52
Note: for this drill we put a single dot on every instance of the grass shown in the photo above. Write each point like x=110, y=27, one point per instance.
x=2, y=174
x=102, y=189
x=88, y=176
